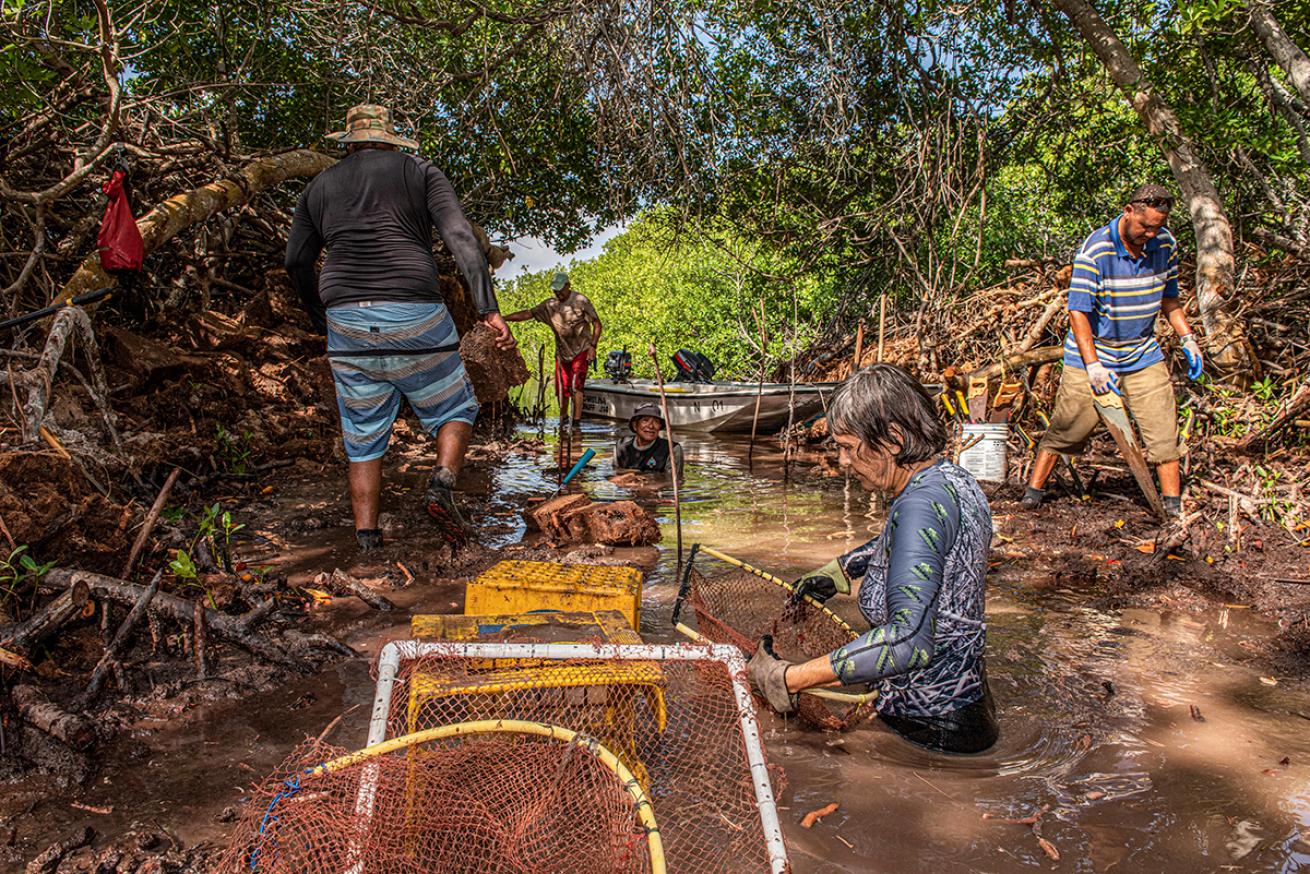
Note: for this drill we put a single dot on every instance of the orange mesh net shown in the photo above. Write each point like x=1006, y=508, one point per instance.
x=737, y=607
x=481, y=804
x=520, y=804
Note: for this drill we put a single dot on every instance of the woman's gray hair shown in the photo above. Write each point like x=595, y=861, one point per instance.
x=885, y=407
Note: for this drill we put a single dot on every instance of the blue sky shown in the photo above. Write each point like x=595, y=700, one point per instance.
x=532, y=255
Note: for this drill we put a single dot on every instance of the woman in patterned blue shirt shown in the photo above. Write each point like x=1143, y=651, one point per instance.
x=920, y=582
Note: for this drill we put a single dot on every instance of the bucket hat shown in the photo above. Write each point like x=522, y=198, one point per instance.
x=370, y=123
x=652, y=410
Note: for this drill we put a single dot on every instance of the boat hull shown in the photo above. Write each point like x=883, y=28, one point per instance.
x=719, y=406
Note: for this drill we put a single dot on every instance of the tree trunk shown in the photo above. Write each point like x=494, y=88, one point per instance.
x=181, y=211
x=1286, y=53
x=40, y=379
x=1229, y=350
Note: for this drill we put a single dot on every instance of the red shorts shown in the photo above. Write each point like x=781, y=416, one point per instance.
x=570, y=376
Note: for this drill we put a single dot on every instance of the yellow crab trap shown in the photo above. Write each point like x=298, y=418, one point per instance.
x=526, y=586
x=547, y=626
x=644, y=758
x=738, y=604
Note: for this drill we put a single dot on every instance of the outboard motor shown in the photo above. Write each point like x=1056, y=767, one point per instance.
x=692, y=366
x=618, y=365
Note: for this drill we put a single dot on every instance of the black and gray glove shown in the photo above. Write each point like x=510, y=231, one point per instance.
x=822, y=584
x=768, y=674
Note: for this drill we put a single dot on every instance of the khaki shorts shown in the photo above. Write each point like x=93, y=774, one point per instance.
x=1149, y=396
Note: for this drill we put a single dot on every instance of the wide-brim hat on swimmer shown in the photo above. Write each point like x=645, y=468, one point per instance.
x=370, y=123
x=652, y=410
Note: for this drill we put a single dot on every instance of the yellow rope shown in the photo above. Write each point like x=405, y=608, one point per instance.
x=645, y=812
x=765, y=575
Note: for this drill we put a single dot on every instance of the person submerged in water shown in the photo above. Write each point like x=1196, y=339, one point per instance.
x=644, y=451
x=920, y=581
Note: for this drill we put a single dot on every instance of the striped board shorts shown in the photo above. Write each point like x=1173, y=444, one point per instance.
x=425, y=368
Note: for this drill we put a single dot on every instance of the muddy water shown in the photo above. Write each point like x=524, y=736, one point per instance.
x=1095, y=710
x=1095, y=706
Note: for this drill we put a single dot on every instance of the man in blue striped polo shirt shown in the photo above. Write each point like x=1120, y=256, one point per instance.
x=1125, y=275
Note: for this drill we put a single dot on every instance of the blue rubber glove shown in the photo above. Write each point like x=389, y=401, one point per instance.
x=1192, y=352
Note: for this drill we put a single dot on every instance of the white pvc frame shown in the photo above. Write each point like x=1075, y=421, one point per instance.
x=400, y=651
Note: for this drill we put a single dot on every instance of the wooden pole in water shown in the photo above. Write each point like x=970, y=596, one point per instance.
x=565, y=432
x=791, y=391
x=882, y=321
x=673, y=462
x=764, y=347
x=541, y=381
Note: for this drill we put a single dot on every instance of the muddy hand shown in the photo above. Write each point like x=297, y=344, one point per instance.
x=504, y=339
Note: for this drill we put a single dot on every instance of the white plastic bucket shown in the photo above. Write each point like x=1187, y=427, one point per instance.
x=988, y=458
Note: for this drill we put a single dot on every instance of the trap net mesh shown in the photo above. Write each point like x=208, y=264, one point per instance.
x=506, y=803
x=738, y=607
x=477, y=803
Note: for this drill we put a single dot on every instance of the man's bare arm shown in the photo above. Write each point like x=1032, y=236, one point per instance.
x=1173, y=311
x=1082, y=335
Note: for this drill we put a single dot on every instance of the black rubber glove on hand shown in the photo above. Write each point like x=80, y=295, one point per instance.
x=822, y=584
x=768, y=674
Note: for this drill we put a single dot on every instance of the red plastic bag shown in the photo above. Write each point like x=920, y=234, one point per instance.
x=119, y=241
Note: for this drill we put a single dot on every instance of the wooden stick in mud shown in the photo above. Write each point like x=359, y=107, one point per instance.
x=343, y=582
x=200, y=643
x=859, y=347
x=120, y=639
x=759, y=393
x=882, y=322
x=148, y=525
x=673, y=458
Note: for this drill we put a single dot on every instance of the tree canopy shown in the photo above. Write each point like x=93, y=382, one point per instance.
x=902, y=148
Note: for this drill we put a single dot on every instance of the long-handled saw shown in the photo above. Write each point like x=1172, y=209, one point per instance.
x=1111, y=408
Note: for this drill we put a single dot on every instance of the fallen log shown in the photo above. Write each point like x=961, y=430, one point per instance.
x=306, y=644
x=1040, y=355
x=27, y=635
x=344, y=583
x=180, y=610
x=75, y=732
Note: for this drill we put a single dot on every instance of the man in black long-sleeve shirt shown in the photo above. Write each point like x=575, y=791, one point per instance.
x=389, y=333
